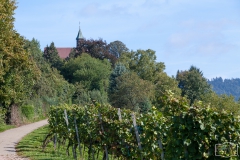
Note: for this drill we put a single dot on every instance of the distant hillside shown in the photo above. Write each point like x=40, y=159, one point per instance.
x=226, y=86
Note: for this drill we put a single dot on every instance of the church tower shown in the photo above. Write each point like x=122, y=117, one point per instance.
x=79, y=37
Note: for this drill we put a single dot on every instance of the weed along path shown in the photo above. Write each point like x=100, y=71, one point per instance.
x=11, y=137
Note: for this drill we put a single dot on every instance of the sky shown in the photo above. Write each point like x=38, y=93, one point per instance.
x=202, y=33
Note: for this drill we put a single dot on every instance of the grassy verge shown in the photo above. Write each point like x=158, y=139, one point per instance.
x=5, y=127
x=31, y=146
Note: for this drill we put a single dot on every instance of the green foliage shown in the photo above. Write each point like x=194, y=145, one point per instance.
x=143, y=62
x=92, y=73
x=116, y=48
x=17, y=70
x=132, y=92
x=173, y=105
x=95, y=132
x=119, y=69
x=97, y=96
x=194, y=131
x=185, y=132
x=27, y=111
x=50, y=88
x=50, y=84
x=51, y=55
x=164, y=83
x=30, y=147
x=2, y=115
x=33, y=47
x=87, y=97
x=198, y=130
x=4, y=127
x=222, y=102
x=40, y=107
x=192, y=83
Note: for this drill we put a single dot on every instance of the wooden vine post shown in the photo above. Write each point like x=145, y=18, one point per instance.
x=67, y=122
x=161, y=147
x=77, y=134
x=66, y=117
x=90, y=151
x=55, y=135
x=137, y=134
x=119, y=114
x=105, y=146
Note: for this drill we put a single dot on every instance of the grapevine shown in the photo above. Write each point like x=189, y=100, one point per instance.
x=179, y=132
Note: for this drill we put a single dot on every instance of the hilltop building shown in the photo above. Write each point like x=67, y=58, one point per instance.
x=64, y=52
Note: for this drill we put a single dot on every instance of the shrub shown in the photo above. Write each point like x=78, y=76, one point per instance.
x=2, y=116
x=28, y=111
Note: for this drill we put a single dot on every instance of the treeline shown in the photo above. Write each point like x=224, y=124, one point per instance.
x=28, y=84
x=230, y=87
x=112, y=74
x=32, y=80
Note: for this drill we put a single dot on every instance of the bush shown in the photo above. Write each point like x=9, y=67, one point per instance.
x=2, y=116
x=28, y=111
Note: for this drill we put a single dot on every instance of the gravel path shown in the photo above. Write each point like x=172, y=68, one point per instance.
x=11, y=137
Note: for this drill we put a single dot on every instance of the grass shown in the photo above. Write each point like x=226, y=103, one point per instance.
x=31, y=147
x=24, y=121
x=5, y=127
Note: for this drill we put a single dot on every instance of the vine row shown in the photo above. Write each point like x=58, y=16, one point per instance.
x=183, y=132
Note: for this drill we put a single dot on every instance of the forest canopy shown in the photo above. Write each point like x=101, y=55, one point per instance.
x=226, y=86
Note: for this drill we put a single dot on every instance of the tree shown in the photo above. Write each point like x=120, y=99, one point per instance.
x=132, y=92
x=192, y=83
x=51, y=55
x=96, y=48
x=84, y=97
x=116, y=48
x=221, y=102
x=92, y=73
x=119, y=70
x=142, y=62
x=165, y=83
x=50, y=87
x=17, y=70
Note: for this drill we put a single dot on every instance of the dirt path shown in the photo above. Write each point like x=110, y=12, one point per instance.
x=10, y=138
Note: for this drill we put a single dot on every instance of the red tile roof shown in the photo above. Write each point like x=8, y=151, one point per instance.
x=63, y=52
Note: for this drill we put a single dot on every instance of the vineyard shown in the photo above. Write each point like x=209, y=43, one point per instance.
x=182, y=132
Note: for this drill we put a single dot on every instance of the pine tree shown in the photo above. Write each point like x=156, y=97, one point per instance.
x=118, y=71
x=51, y=55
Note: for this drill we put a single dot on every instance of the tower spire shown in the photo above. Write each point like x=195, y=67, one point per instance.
x=79, y=35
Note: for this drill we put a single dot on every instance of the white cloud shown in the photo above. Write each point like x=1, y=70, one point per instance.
x=91, y=9
x=215, y=48
x=203, y=36
x=179, y=40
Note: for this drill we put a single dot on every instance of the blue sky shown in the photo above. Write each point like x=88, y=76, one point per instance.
x=203, y=33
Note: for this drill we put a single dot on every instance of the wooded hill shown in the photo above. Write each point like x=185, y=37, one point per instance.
x=226, y=86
